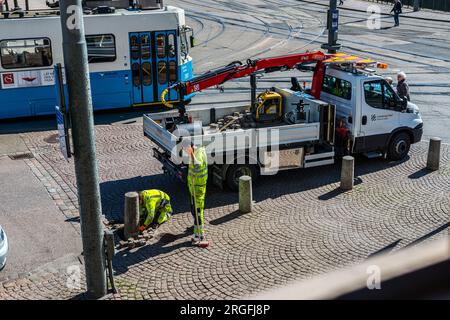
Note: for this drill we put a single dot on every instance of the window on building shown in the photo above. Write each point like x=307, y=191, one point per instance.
x=379, y=94
x=26, y=53
x=337, y=87
x=101, y=48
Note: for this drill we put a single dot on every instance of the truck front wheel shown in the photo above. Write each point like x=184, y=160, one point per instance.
x=236, y=171
x=399, y=146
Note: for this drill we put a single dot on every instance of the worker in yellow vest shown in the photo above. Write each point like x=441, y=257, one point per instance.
x=155, y=208
x=196, y=179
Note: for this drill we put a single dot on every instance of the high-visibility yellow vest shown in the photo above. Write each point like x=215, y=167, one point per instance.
x=198, y=171
x=154, y=200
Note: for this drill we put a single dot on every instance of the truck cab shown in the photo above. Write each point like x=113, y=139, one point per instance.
x=379, y=121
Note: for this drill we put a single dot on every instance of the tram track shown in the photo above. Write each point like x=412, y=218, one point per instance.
x=289, y=33
x=300, y=36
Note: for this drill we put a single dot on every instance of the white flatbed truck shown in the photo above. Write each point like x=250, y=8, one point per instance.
x=379, y=122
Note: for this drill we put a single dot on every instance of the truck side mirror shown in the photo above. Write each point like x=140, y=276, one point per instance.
x=192, y=41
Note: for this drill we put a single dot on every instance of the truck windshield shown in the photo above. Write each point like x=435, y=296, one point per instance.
x=337, y=87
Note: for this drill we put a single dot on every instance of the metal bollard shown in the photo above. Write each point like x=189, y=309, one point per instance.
x=131, y=215
x=434, y=154
x=347, y=172
x=245, y=194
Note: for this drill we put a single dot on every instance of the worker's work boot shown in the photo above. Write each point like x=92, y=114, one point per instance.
x=195, y=240
x=203, y=243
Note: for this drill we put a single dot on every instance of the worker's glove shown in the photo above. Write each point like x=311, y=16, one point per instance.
x=142, y=228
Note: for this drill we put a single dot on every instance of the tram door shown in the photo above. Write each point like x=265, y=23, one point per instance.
x=141, y=67
x=154, y=67
x=166, y=63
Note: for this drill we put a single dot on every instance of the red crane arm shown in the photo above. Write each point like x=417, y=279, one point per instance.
x=238, y=70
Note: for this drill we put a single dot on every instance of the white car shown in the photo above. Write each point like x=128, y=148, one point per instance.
x=3, y=248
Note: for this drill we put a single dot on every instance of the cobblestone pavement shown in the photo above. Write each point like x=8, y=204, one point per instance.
x=301, y=226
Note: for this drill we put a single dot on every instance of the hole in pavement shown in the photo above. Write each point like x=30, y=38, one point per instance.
x=53, y=138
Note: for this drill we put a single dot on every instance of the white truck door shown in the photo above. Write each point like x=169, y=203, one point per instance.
x=379, y=116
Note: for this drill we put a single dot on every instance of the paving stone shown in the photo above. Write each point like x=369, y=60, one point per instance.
x=301, y=226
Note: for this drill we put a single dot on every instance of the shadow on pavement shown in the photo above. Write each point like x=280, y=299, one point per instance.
x=101, y=117
x=229, y=217
x=419, y=174
x=429, y=235
x=386, y=249
x=124, y=259
x=334, y=193
x=269, y=187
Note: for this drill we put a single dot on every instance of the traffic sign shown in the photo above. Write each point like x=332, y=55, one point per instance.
x=61, y=113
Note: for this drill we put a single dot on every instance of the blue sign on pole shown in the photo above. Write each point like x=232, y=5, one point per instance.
x=61, y=113
x=334, y=20
x=62, y=137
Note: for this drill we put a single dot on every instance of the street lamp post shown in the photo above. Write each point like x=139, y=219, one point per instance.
x=332, y=25
x=81, y=114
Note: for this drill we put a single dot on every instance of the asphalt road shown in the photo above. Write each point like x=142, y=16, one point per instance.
x=234, y=30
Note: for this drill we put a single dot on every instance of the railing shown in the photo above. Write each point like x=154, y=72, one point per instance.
x=442, y=5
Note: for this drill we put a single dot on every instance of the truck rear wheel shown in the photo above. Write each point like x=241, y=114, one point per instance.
x=236, y=171
x=399, y=146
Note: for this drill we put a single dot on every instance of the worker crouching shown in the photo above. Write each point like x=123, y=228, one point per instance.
x=155, y=208
x=197, y=179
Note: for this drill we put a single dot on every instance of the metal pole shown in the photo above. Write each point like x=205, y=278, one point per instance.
x=80, y=108
x=332, y=24
x=253, y=90
x=416, y=5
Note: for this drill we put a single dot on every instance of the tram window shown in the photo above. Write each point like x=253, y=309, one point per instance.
x=146, y=74
x=161, y=45
x=162, y=72
x=171, y=45
x=135, y=48
x=101, y=48
x=26, y=53
x=145, y=45
x=172, y=71
x=135, y=74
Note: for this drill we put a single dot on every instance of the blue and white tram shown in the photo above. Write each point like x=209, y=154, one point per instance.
x=133, y=56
